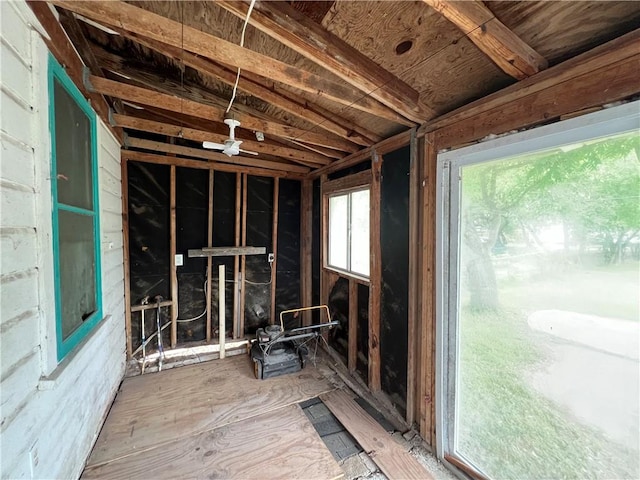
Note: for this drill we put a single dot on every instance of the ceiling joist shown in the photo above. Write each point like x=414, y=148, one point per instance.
x=153, y=98
x=211, y=155
x=302, y=109
x=501, y=45
x=143, y=22
x=160, y=128
x=295, y=30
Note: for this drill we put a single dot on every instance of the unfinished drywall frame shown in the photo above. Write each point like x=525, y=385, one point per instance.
x=394, y=304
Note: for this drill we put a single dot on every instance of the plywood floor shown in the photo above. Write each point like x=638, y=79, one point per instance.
x=213, y=420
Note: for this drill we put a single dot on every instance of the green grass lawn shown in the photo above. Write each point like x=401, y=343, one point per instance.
x=506, y=428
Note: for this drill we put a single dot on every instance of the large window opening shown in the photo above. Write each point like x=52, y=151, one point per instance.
x=348, y=236
x=539, y=321
x=74, y=180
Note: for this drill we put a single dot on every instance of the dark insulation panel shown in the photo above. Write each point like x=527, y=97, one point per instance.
x=224, y=221
x=394, y=240
x=362, y=360
x=359, y=167
x=192, y=207
x=339, y=310
x=288, y=252
x=258, y=270
x=148, y=213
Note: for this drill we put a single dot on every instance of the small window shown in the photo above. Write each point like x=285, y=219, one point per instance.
x=349, y=232
x=76, y=237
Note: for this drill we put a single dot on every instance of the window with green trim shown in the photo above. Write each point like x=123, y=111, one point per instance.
x=76, y=221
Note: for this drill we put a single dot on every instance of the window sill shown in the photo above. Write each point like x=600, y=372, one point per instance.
x=350, y=275
x=51, y=381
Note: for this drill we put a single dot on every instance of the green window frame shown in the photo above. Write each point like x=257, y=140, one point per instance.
x=74, y=215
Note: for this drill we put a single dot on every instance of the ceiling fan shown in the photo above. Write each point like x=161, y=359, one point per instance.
x=231, y=146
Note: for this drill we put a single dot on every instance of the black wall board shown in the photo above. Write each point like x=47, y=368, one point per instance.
x=148, y=213
x=359, y=167
x=224, y=221
x=192, y=210
x=394, y=242
x=339, y=311
x=288, y=261
x=257, y=268
x=362, y=360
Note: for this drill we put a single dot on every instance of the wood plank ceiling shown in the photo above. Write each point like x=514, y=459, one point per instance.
x=320, y=79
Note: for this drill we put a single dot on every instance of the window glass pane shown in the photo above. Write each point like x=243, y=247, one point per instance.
x=338, y=231
x=73, y=150
x=547, y=382
x=360, y=232
x=77, y=270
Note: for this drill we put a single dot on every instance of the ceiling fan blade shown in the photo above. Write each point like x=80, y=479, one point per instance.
x=213, y=146
x=249, y=152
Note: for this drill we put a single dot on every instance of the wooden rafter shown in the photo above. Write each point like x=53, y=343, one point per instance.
x=295, y=30
x=490, y=35
x=254, y=85
x=148, y=24
x=140, y=124
x=58, y=43
x=145, y=76
x=212, y=155
x=154, y=98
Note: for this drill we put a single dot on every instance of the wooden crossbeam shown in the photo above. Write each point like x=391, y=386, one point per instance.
x=490, y=35
x=143, y=22
x=153, y=98
x=306, y=158
x=155, y=158
x=212, y=155
x=295, y=30
x=253, y=85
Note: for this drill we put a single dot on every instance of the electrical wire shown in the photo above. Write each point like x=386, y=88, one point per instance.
x=244, y=29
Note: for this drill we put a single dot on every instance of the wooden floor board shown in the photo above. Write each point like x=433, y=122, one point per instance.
x=158, y=408
x=393, y=460
x=280, y=444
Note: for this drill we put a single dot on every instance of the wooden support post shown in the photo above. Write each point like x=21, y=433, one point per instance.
x=306, y=261
x=243, y=261
x=353, y=325
x=236, y=262
x=427, y=314
x=375, y=274
x=414, y=219
x=173, y=272
x=124, y=178
x=324, y=240
x=221, y=309
x=274, y=249
x=209, y=259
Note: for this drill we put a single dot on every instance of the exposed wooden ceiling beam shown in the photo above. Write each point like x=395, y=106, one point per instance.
x=252, y=85
x=77, y=36
x=58, y=43
x=295, y=30
x=490, y=35
x=153, y=98
x=212, y=155
x=217, y=166
x=148, y=24
x=151, y=126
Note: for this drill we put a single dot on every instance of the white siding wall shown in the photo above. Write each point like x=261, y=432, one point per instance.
x=50, y=414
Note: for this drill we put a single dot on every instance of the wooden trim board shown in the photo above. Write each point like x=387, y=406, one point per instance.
x=393, y=460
